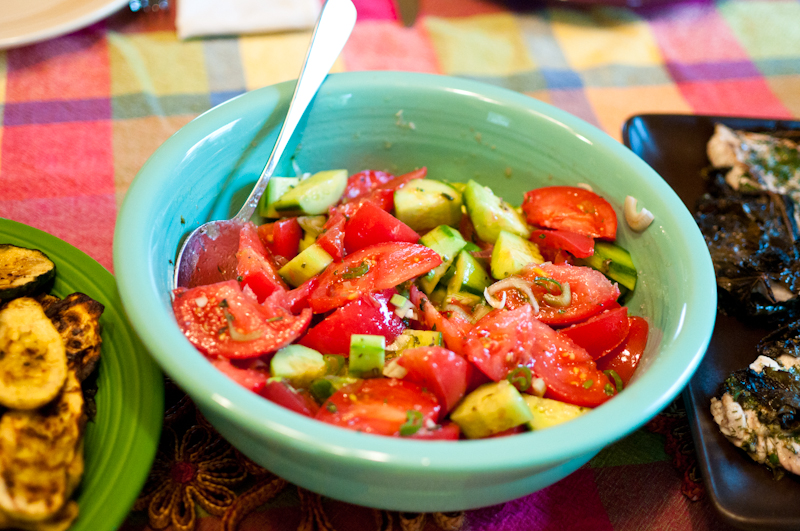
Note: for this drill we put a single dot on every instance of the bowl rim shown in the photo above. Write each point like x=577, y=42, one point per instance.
x=289, y=430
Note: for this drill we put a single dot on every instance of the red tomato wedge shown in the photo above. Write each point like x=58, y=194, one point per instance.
x=504, y=340
x=601, y=333
x=453, y=330
x=217, y=261
x=283, y=394
x=369, y=314
x=220, y=320
x=332, y=237
x=572, y=209
x=254, y=265
x=576, y=244
x=625, y=358
x=286, y=236
x=363, y=182
x=591, y=293
x=374, y=268
x=382, y=195
x=447, y=431
x=438, y=370
x=379, y=406
x=252, y=374
x=371, y=225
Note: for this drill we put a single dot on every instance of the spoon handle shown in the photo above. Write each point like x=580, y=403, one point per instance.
x=333, y=28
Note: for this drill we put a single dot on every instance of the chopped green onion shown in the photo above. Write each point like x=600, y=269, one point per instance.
x=398, y=300
x=357, y=271
x=545, y=281
x=331, y=407
x=521, y=378
x=412, y=424
x=561, y=300
x=588, y=383
x=609, y=390
x=611, y=373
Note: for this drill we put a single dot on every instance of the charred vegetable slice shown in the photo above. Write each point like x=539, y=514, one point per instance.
x=33, y=362
x=77, y=319
x=23, y=271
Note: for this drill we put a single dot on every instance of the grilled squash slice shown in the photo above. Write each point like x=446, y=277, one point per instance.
x=77, y=319
x=41, y=456
x=23, y=272
x=33, y=362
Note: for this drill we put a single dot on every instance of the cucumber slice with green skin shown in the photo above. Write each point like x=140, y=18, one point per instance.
x=490, y=409
x=614, y=262
x=314, y=195
x=547, y=412
x=423, y=204
x=311, y=261
x=276, y=187
x=367, y=356
x=469, y=276
x=447, y=242
x=298, y=364
x=511, y=254
x=490, y=214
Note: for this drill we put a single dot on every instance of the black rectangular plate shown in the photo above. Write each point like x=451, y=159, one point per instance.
x=742, y=491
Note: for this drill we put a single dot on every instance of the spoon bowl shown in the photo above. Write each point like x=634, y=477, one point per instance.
x=207, y=255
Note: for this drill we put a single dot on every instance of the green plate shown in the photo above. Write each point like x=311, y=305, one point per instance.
x=121, y=442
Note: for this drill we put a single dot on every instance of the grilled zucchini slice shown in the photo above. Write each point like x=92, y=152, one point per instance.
x=23, y=272
x=33, y=362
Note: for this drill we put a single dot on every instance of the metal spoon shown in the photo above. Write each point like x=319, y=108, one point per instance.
x=208, y=254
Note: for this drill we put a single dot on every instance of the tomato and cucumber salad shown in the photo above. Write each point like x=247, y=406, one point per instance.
x=407, y=306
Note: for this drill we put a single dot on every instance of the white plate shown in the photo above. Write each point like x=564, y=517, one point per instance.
x=28, y=21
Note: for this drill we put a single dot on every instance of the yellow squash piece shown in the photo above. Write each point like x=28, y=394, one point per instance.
x=33, y=362
x=41, y=456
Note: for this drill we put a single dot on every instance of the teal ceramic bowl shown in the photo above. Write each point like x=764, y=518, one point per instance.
x=460, y=130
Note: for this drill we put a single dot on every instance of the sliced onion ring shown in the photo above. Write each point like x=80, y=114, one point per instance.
x=506, y=283
x=638, y=221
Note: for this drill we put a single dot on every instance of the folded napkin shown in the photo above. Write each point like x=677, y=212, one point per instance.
x=197, y=18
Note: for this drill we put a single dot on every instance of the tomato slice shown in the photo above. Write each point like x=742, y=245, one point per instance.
x=625, y=358
x=591, y=293
x=506, y=339
x=286, y=236
x=576, y=244
x=216, y=260
x=206, y=315
x=332, y=237
x=369, y=314
x=371, y=225
x=439, y=370
x=254, y=266
x=379, y=406
x=572, y=209
x=283, y=394
x=374, y=268
x=252, y=374
x=447, y=431
x=601, y=333
x=363, y=182
x=453, y=330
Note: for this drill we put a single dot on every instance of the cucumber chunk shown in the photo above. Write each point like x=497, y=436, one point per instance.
x=298, y=364
x=469, y=276
x=314, y=195
x=414, y=339
x=311, y=261
x=547, y=412
x=367, y=355
x=614, y=262
x=490, y=409
x=276, y=187
x=447, y=242
x=490, y=214
x=511, y=254
x=423, y=204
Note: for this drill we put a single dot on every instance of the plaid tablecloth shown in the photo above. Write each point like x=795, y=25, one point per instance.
x=81, y=114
